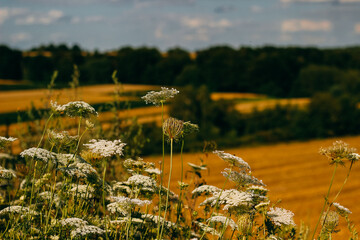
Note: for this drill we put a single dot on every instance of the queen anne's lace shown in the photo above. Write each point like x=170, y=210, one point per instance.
x=157, y=98
x=281, y=216
x=106, y=148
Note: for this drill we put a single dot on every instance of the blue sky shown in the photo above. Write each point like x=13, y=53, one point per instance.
x=190, y=24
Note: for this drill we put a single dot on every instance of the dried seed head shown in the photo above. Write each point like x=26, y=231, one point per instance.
x=340, y=152
x=173, y=128
x=330, y=221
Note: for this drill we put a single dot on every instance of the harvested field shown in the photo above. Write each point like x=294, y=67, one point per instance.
x=293, y=172
x=12, y=101
x=248, y=107
x=232, y=96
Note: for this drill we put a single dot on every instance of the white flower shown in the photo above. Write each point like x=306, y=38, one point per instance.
x=157, y=98
x=131, y=201
x=75, y=109
x=153, y=171
x=39, y=154
x=343, y=211
x=80, y=170
x=54, y=237
x=223, y=220
x=6, y=174
x=205, y=189
x=233, y=160
x=207, y=229
x=17, y=210
x=142, y=181
x=157, y=219
x=123, y=220
x=62, y=138
x=73, y=222
x=82, y=191
x=196, y=167
x=86, y=230
x=106, y=148
x=241, y=178
x=5, y=141
x=48, y=196
x=230, y=198
x=281, y=216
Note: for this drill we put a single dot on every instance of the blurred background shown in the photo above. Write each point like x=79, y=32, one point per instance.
x=270, y=80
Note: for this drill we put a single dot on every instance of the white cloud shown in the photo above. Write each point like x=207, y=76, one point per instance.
x=6, y=13
x=20, y=37
x=197, y=22
x=43, y=19
x=297, y=25
x=357, y=28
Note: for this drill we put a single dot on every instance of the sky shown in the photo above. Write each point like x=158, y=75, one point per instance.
x=190, y=24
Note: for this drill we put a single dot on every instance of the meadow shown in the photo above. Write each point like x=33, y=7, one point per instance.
x=71, y=185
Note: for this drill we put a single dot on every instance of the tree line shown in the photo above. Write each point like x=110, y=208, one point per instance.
x=275, y=71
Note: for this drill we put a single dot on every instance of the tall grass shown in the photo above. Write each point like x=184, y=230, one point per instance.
x=63, y=191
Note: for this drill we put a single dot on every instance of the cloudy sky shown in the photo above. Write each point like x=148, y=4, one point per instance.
x=191, y=24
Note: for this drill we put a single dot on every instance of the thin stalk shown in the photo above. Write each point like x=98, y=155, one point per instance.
x=162, y=168
x=168, y=190
x=103, y=198
x=338, y=193
x=181, y=180
x=326, y=201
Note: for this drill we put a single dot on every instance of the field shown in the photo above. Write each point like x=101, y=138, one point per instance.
x=293, y=172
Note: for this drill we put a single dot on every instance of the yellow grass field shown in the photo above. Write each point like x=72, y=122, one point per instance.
x=248, y=107
x=11, y=101
x=293, y=172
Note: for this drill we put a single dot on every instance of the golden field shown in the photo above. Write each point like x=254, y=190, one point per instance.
x=295, y=173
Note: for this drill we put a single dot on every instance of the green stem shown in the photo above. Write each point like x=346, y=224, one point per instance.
x=325, y=202
x=181, y=180
x=168, y=190
x=162, y=168
x=103, y=198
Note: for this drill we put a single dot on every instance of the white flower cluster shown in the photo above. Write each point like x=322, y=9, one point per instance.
x=106, y=148
x=48, y=196
x=75, y=109
x=223, y=220
x=118, y=208
x=17, y=210
x=241, y=178
x=281, y=216
x=86, y=230
x=80, y=170
x=233, y=160
x=123, y=220
x=61, y=137
x=230, y=199
x=5, y=141
x=207, y=229
x=157, y=98
x=141, y=181
x=205, y=189
x=343, y=211
x=82, y=191
x=131, y=201
x=39, y=154
x=73, y=222
x=6, y=174
x=151, y=171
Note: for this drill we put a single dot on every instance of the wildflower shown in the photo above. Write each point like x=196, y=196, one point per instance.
x=281, y=216
x=121, y=209
x=340, y=152
x=224, y=221
x=190, y=128
x=124, y=220
x=4, y=156
x=343, y=211
x=5, y=141
x=141, y=181
x=82, y=191
x=262, y=206
x=205, y=189
x=106, y=148
x=245, y=224
x=158, y=98
x=75, y=109
x=17, y=210
x=86, y=230
x=157, y=219
x=207, y=229
x=329, y=221
x=61, y=138
x=173, y=128
x=79, y=170
x=48, y=196
x=54, y=237
x=131, y=201
x=153, y=171
x=73, y=222
x=6, y=174
x=39, y=154
x=233, y=160
x=241, y=178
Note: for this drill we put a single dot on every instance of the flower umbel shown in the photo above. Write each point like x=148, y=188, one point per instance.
x=340, y=152
x=75, y=109
x=157, y=98
x=173, y=128
x=5, y=141
x=106, y=148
